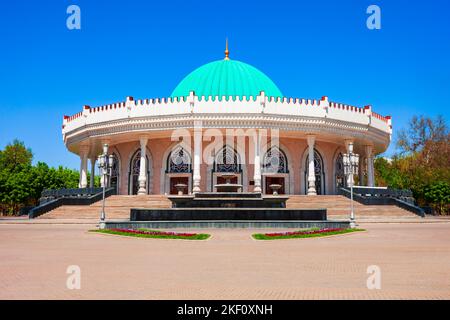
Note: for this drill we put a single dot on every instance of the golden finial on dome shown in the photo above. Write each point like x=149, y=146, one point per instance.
x=227, y=53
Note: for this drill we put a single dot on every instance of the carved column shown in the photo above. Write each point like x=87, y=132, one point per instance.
x=91, y=182
x=311, y=170
x=84, y=150
x=143, y=167
x=361, y=170
x=370, y=169
x=257, y=164
x=197, y=156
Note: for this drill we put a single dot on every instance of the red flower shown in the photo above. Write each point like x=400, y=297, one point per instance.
x=154, y=233
x=295, y=233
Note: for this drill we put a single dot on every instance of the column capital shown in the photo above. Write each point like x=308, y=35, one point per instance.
x=84, y=149
x=369, y=150
x=349, y=141
x=311, y=138
x=105, y=140
x=143, y=140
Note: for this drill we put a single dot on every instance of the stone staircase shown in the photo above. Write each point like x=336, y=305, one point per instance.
x=118, y=207
x=338, y=207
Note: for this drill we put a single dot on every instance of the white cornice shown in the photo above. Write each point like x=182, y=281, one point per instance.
x=262, y=121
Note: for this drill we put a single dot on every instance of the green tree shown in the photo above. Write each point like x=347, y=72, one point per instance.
x=15, y=155
x=17, y=189
x=439, y=195
x=21, y=183
x=421, y=131
x=422, y=162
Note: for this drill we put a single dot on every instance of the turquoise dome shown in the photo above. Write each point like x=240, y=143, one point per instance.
x=226, y=78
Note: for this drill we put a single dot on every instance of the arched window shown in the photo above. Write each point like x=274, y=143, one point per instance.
x=318, y=171
x=135, y=164
x=179, y=161
x=339, y=172
x=275, y=161
x=178, y=170
x=115, y=173
x=227, y=160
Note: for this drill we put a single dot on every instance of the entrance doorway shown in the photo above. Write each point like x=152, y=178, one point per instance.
x=275, y=180
x=222, y=180
x=178, y=180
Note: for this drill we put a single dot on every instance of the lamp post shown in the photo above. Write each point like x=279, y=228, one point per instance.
x=351, y=161
x=105, y=165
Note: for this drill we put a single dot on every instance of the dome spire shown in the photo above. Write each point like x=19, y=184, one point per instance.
x=227, y=53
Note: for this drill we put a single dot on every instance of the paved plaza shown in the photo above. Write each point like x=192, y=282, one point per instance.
x=414, y=259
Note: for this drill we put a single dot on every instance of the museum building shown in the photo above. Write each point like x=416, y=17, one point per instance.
x=306, y=138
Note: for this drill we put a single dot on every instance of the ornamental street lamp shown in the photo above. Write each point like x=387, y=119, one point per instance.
x=351, y=161
x=105, y=165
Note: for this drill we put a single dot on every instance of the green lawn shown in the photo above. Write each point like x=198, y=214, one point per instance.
x=303, y=234
x=146, y=233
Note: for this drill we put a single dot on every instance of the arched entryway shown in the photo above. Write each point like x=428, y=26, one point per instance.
x=178, y=170
x=275, y=170
x=227, y=160
x=339, y=175
x=133, y=175
x=115, y=173
x=319, y=173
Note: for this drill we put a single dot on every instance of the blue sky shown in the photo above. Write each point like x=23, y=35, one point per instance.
x=144, y=48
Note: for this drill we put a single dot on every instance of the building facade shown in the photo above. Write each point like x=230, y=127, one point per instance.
x=227, y=117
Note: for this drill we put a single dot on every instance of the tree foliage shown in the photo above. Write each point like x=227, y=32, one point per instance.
x=21, y=183
x=422, y=163
x=15, y=155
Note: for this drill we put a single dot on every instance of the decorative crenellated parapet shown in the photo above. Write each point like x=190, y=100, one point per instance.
x=86, y=110
x=324, y=103
x=191, y=100
x=262, y=100
x=165, y=109
x=129, y=102
x=65, y=119
x=389, y=122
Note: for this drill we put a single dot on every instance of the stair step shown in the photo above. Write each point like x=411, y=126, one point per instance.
x=118, y=207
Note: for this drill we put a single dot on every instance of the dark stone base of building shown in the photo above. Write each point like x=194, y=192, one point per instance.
x=183, y=214
x=228, y=200
x=228, y=209
x=201, y=224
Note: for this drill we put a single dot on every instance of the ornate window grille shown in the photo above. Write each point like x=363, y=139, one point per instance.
x=227, y=160
x=135, y=168
x=115, y=172
x=339, y=172
x=275, y=161
x=179, y=161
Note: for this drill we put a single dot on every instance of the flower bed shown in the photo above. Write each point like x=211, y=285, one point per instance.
x=310, y=233
x=144, y=233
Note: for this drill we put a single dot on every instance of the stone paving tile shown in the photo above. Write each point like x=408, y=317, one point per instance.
x=414, y=259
